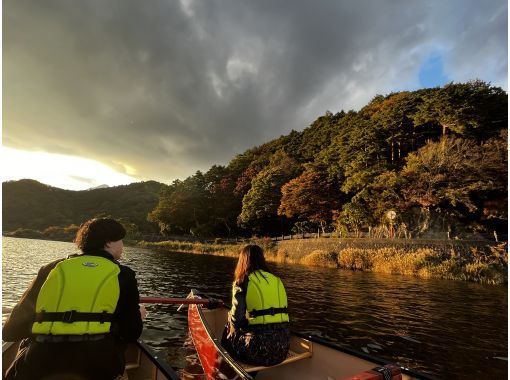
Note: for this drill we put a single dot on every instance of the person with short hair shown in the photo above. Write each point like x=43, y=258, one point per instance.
x=257, y=331
x=79, y=313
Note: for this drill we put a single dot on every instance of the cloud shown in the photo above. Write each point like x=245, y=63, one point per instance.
x=161, y=89
x=89, y=181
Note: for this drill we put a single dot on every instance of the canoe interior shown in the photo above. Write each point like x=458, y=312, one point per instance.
x=324, y=362
x=141, y=362
x=9, y=350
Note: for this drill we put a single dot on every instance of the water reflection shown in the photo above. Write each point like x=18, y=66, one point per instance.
x=448, y=328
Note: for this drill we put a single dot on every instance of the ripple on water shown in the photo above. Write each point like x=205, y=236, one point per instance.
x=447, y=328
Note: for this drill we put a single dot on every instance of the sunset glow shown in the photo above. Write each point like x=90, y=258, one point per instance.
x=65, y=172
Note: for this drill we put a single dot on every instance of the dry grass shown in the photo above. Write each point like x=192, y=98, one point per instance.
x=427, y=259
x=282, y=256
x=321, y=258
x=447, y=260
x=198, y=248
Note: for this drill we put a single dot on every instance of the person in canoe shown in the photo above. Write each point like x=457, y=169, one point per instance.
x=78, y=314
x=258, y=330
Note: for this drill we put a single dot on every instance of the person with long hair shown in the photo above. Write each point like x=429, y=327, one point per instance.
x=79, y=313
x=258, y=330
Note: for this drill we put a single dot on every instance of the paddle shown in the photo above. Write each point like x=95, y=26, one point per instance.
x=210, y=302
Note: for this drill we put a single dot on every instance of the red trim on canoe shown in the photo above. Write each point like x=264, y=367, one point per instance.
x=206, y=350
x=216, y=362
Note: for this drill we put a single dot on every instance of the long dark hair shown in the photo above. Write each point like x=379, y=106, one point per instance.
x=251, y=258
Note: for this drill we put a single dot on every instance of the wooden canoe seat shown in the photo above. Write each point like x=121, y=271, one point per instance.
x=299, y=349
x=132, y=355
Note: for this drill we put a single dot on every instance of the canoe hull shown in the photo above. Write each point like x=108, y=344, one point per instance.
x=326, y=360
x=141, y=362
x=215, y=361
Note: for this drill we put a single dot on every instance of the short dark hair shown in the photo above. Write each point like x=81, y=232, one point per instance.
x=95, y=233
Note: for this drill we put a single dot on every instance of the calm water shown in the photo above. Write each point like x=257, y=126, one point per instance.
x=450, y=329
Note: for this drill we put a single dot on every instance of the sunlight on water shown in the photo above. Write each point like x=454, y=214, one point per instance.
x=22, y=258
x=450, y=329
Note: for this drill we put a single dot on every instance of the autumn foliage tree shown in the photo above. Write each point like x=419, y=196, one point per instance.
x=451, y=176
x=310, y=197
x=436, y=156
x=261, y=202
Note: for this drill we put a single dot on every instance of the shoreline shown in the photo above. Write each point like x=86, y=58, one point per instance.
x=485, y=264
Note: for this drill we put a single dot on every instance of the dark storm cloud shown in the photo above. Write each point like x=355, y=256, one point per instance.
x=169, y=87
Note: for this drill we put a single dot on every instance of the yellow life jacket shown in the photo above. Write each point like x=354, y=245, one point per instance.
x=78, y=297
x=266, y=300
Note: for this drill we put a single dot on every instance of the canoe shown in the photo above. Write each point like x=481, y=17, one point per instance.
x=309, y=358
x=141, y=362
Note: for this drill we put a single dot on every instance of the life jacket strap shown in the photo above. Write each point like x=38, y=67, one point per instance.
x=269, y=311
x=69, y=338
x=73, y=316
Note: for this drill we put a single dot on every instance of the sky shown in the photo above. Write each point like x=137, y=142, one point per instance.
x=111, y=92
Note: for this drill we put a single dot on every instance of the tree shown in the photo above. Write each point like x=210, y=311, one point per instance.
x=261, y=203
x=310, y=197
x=473, y=109
x=363, y=155
x=451, y=175
x=382, y=195
x=225, y=202
x=394, y=119
x=305, y=146
x=243, y=182
x=184, y=206
x=353, y=215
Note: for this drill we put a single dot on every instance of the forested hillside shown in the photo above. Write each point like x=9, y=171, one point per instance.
x=29, y=204
x=436, y=157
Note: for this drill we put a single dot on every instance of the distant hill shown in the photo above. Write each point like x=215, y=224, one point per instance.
x=435, y=157
x=103, y=186
x=29, y=204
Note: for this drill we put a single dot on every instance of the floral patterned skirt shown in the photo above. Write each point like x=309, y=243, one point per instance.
x=264, y=345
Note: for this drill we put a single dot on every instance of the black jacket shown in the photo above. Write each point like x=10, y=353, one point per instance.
x=102, y=357
x=237, y=314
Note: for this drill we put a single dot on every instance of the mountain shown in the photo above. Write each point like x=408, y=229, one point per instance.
x=29, y=204
x=103, y=186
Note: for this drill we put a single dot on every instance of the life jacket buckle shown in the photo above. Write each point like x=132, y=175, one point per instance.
x=271, y=311
x=39, y=317
x=104, y=316
x=68, y=316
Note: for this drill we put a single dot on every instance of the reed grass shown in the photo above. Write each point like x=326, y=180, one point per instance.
x=321, y=258
x=197, y=248
x=475, y=265
x=427, y=259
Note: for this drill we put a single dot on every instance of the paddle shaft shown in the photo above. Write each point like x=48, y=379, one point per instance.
x=177, y=301
x=160, y=300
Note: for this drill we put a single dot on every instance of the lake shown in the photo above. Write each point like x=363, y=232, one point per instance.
x=450, y=329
